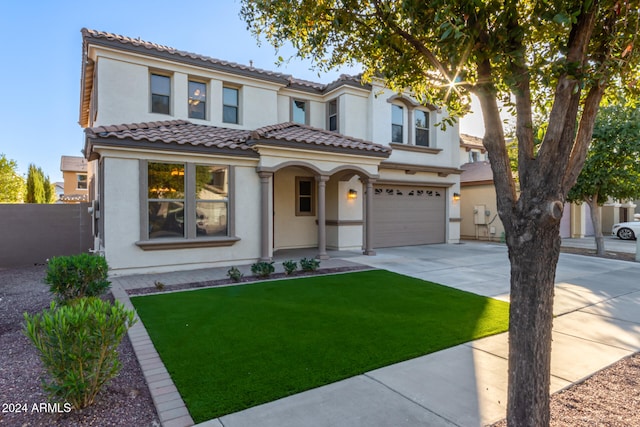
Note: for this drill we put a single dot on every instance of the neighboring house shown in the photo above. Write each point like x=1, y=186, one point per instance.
x=59, y=188
x=479, y=208
x=201, y=162
x=478, y=203
x=472, y=150
x=75, y=176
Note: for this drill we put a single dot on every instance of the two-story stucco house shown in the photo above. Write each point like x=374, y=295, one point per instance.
x=201, y=162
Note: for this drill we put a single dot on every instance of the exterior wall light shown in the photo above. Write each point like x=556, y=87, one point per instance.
x=352, y=194
x=456, y=197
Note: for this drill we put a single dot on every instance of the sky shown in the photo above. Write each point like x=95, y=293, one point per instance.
x=42, y=52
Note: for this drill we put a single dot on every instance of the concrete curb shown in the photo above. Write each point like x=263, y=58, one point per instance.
x=169, y=404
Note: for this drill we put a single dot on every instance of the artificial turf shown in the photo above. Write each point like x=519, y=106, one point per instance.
x=230, y=348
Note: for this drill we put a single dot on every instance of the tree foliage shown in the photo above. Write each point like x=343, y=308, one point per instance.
x=35, y=185
x=39, y=187
x=12, y=185
x=559, y=58
x=612, y=167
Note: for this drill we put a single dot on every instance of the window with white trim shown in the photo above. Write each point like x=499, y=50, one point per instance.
x=397, y=123
x=197, y=100
x=422, y=128
x=299, y=111
x=160, y=94
x=332, y=115
x=230, y=105
x=81, y=181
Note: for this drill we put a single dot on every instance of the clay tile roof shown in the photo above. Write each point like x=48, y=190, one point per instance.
x=179, y=132
x=158, y=48
x=187, y=134
x=476, y=172
x=471, y=142
x=149, y=47
x=307, y=135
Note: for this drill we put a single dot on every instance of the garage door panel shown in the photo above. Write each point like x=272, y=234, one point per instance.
x=405, y=215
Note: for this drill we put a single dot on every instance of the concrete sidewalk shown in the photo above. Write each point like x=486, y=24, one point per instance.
x=611, y=244
x=597, y=323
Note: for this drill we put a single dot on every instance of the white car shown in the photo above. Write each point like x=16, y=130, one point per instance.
x=626, y=230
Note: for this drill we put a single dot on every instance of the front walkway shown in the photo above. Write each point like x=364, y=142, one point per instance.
x=597, y=324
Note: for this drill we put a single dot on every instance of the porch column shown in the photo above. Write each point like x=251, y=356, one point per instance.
x=265, y=215
x=322, y=223
x=368, y=220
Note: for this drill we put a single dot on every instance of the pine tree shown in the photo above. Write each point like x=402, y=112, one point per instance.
x=35, y=185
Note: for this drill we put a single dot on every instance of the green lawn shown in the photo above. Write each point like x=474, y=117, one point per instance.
x=230, y=348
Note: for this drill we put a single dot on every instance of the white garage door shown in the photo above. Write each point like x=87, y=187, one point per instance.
x=408, y=215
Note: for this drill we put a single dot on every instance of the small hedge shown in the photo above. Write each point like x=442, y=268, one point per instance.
x=78, y=345
x=77, y=276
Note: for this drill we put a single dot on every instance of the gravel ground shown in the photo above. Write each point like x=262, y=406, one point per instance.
x=125, y=401
x=611, y=397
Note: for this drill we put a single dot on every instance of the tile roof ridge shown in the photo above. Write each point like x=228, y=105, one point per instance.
x=261, y=133
x=96, y=34
x=284, y=78
x=134, y=126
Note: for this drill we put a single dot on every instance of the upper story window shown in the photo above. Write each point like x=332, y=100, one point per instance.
x=397, y=123
x=422, y=128
x=299, y=111
x=81, y=181
x=474, y=156
x=160, y=94
x=230, y=105
x=332, y=115
x=197, y=100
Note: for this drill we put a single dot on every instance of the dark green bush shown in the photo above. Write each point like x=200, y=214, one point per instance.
x=77, y=276
x=262, y=269
x=309, y=264
x=78, y=345
x=290, y=267
x=234, y=274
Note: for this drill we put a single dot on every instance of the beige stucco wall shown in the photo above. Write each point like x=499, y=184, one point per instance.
x=348, y=234
x=71, y=183
x=122, y=212
x=478, y=195
x=124, y=94
x=291, y=231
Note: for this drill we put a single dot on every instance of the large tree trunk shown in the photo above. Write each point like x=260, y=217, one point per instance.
x=533, y=252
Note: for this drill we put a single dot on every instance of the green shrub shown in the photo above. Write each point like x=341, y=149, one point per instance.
x=77, y=276
x=290, y=267
x=78, y=345
x=234, y=274
x=262, y=269
x=309, y=264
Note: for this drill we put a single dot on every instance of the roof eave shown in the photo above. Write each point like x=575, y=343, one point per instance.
x=164, y=146
x=316, y=147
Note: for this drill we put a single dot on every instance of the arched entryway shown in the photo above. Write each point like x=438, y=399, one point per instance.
x=305, y=206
